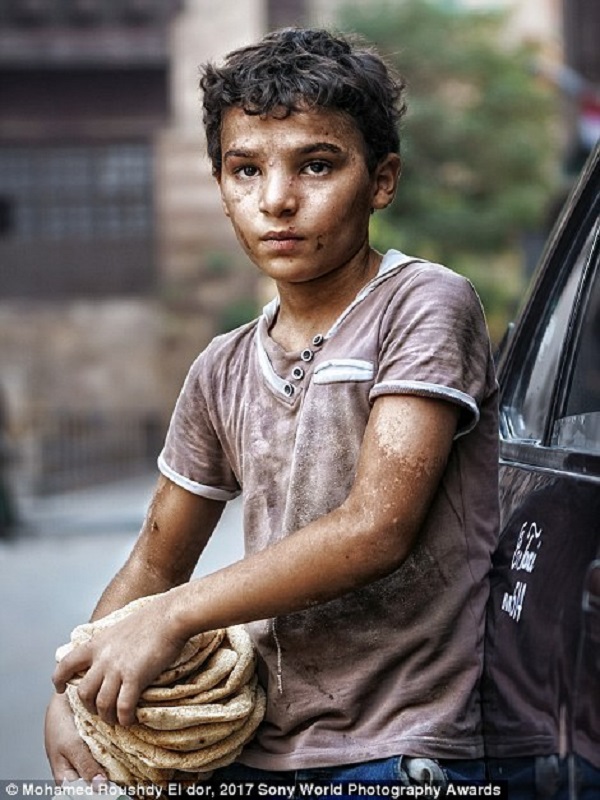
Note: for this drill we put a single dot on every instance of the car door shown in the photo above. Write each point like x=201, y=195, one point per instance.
x=541, y=692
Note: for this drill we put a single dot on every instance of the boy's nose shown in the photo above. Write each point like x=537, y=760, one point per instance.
x=278, y=196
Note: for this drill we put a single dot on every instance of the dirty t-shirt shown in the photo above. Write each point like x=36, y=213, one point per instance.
x=391, y=668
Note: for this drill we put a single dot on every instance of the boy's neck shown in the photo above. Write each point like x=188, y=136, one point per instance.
x=310, y=308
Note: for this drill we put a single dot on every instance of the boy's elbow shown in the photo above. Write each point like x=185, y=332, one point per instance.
x=379, y=547
x=391, y=545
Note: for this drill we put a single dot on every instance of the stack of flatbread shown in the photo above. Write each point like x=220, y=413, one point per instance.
x=196, y=716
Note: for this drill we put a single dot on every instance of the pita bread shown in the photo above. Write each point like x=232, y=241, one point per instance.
x=186, y=739
x=185, y=668
x=117, y=763
x=216, y=668
x=241, y=674
x=231, y=686
x=218, y=763
x=172, y=718
x=116, y=771
x=189, y=777
x=105, y=738
x=243, y=671
x=195, y=718
x=227, y=758
x=193, y=760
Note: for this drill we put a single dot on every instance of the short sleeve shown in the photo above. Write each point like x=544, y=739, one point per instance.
x=435, y=343
x=192, y=456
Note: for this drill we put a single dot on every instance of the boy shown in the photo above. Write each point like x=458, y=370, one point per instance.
x=358, y=417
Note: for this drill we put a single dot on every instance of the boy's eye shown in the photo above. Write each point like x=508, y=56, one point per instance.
x=318, y=168
x=246, y=171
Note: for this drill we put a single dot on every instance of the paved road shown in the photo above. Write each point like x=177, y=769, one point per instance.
x=52, y=576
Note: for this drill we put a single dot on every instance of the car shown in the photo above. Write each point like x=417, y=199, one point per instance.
x=541, y=680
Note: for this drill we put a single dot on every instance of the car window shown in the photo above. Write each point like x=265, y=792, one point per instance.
x=526, y=401
x=579, y=427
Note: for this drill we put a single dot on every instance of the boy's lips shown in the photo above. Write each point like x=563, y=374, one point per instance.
x=282, y=240
x=280, y=235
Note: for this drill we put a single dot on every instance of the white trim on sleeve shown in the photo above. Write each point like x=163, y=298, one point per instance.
x=424, y=389
x=200, y=489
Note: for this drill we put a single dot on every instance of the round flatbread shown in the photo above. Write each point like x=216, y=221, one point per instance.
x=218, y=763
x=242, y=673
x=172, y=718
x=193, y=738
x=184, y=668
x=195, y=718
x=116, y=771
x=105, y=738
x=192, y=761
x=216, y=668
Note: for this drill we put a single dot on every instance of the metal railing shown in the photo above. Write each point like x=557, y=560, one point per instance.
x=69, y=449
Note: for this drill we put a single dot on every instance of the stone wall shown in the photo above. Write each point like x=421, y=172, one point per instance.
x=125, y=359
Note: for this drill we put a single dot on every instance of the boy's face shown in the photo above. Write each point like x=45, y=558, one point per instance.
x=298, y=191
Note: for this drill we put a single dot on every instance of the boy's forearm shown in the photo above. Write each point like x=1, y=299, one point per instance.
x=321, y=562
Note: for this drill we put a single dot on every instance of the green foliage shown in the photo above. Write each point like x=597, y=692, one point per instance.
x=238, y=313
x=217, y=263
x=478, y=143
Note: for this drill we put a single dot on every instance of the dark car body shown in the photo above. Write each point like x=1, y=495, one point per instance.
x=541, y=687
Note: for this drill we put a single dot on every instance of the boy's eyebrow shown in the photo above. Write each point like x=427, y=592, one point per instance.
x=238, y=153
x=319, y=147
x=314, y=147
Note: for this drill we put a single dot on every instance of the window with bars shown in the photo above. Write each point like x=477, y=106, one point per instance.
x=76, y=219
x=60, y=193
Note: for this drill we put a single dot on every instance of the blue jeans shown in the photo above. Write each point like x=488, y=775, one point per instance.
x=546, y=777
x=405, y=770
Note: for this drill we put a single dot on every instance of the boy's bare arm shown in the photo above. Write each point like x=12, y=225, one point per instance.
x=176, y=529
x=404, y=453
x=402, y=458
x=175, y=532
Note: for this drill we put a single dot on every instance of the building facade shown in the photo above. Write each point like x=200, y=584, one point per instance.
x=116, y=263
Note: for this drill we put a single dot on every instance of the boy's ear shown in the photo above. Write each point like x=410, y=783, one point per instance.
x=385, y=181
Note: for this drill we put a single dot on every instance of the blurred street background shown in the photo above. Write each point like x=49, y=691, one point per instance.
x=117, y=265
x=52, y=576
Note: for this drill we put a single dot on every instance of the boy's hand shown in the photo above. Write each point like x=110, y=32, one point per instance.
x=67, y=753
x=121, y=661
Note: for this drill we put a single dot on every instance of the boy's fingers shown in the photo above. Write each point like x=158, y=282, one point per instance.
x=62, y=769
x=69, y=756
x=106, y=699
x=85, y=766
x=74, y=662
x=79, y=764
x=127, y=703
x=88, y=689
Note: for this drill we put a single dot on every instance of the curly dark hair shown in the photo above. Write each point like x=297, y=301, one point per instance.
x=296, y=68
